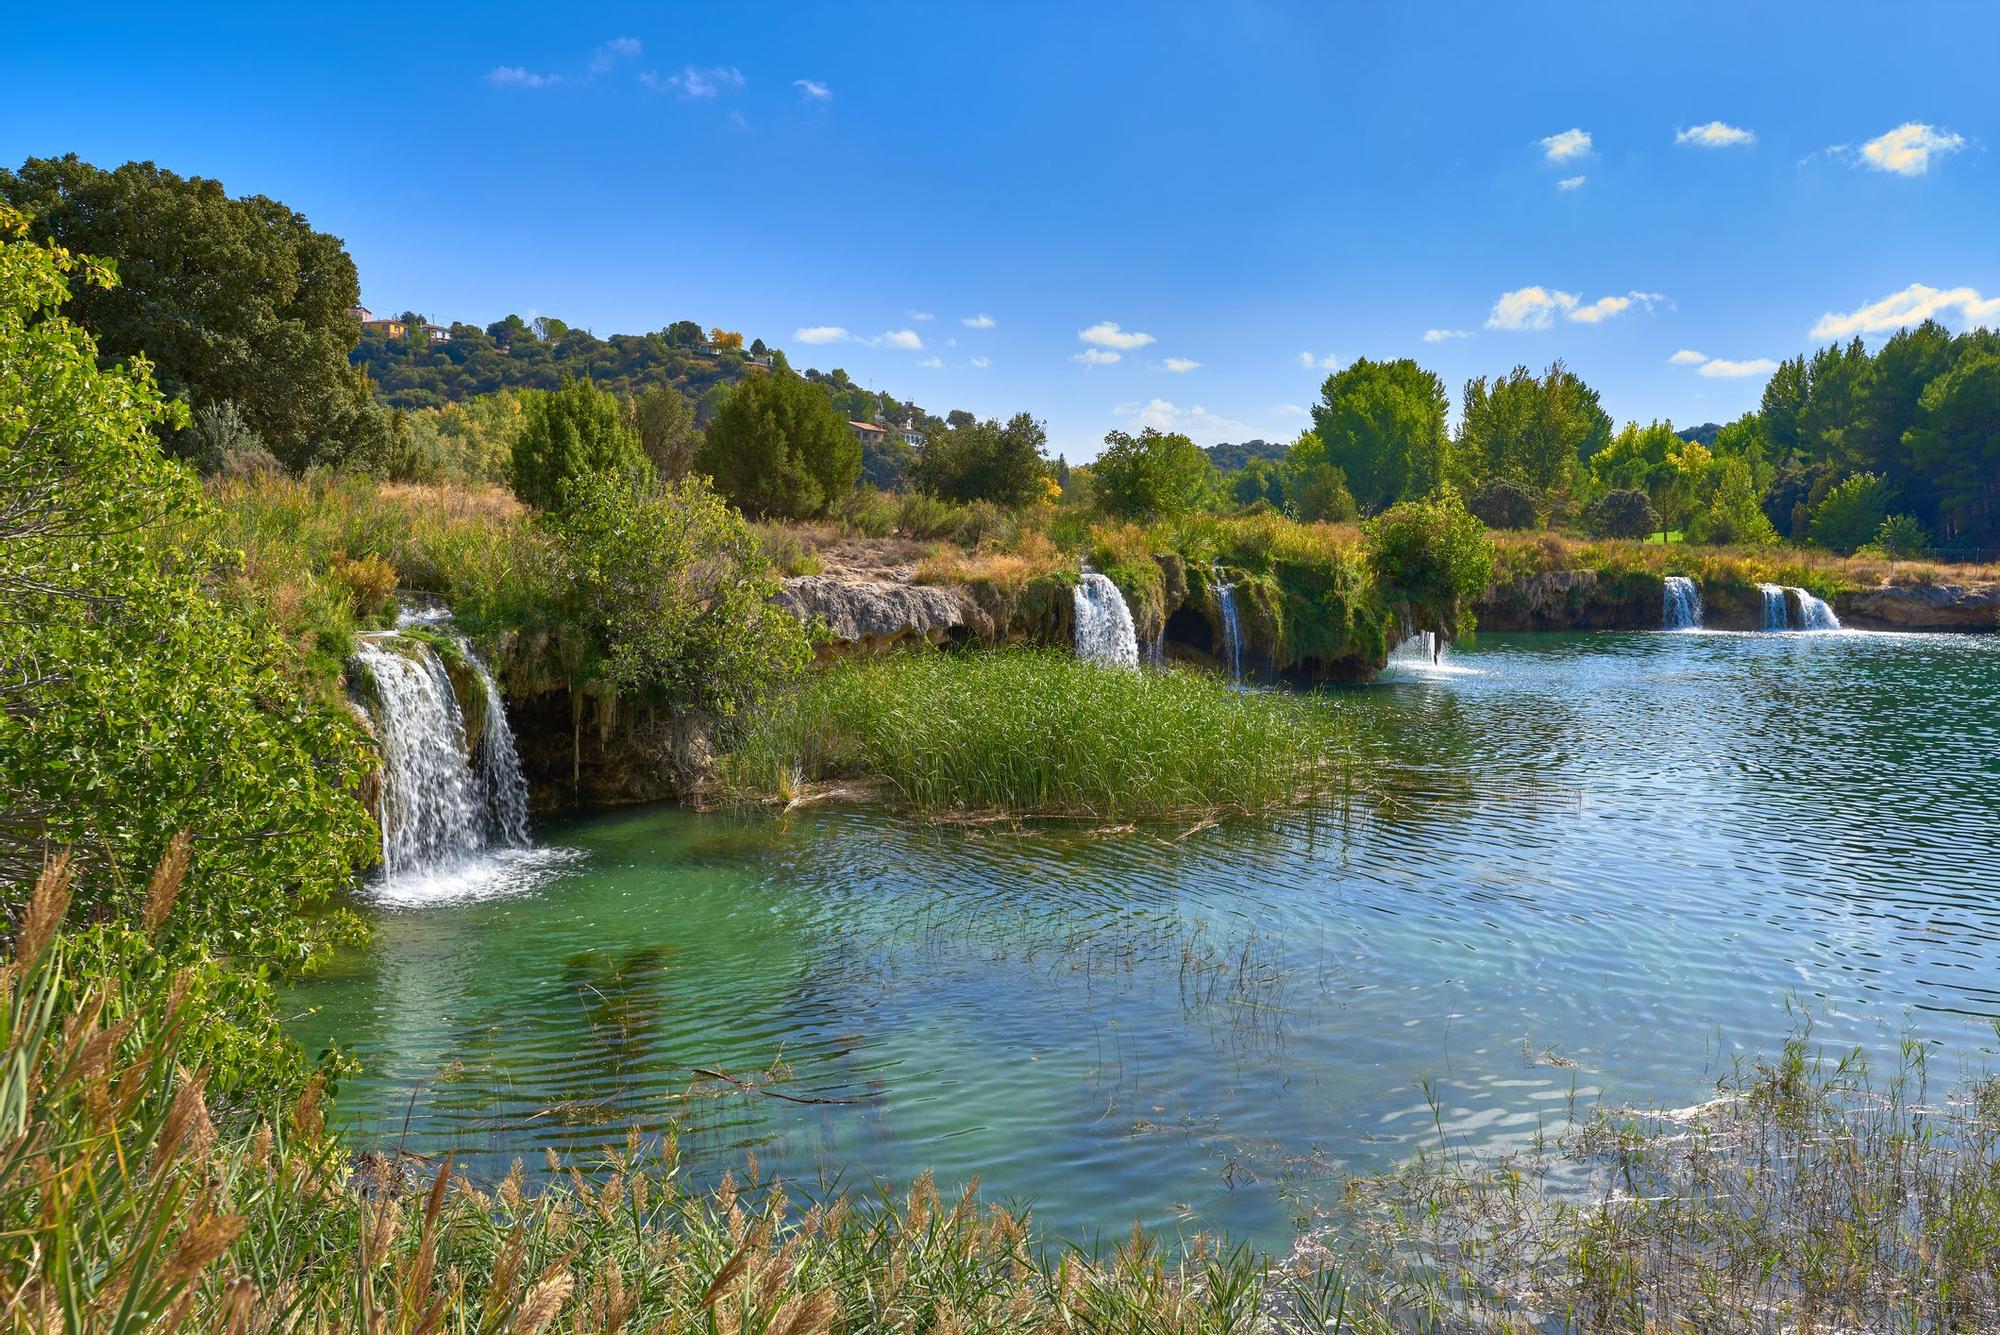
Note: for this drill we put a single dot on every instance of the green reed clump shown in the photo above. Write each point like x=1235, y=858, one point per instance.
x=1038, y=733
x=125, y=1206
x=1810, y=1194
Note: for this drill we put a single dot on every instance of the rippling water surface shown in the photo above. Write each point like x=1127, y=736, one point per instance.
x=1590, y=866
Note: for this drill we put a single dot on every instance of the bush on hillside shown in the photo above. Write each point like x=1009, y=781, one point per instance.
x=1624, y=513
x=1505, y=503
x=778, y=449
x=567, y=433
x=1433, y=558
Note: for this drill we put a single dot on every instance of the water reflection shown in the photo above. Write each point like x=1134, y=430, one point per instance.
x=1592, y=865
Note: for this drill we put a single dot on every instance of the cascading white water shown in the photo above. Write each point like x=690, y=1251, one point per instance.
x=442, y=801
x=1681, y=604
x=1814, y=614
x=1232, y=630
x=1416, y=649
x=1776, y=615
x=1104, y=631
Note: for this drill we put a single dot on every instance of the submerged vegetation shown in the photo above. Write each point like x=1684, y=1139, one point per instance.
x=1037, y=733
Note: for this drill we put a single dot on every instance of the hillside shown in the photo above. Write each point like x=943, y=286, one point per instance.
x=415, y=365
x=1229, y=458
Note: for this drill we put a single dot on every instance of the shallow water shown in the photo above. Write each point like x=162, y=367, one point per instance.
x=1640, y=854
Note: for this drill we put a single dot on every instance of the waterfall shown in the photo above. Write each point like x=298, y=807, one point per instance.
x=1681, y=601
x=1417, y=649
x=1104, y=631
x=1814, y=614
x=440, y=805
x=1232, y=631
x=1791, y=608
x=1776, y=615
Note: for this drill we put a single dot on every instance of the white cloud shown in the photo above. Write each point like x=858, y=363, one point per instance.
x=1537, y=307
x=932, y=362
x=1721, y=368
x=1529, y=308
x=1600, y=310
x=905, y=339
x=1908, y=149
x=980, y=362
x=613, y=51
x=1445, y=335
x=1164, y=416
x=1567, y=146
x=812, y=90
x=1716, y=134
x=1290, y=410
x=1913, y=305
x=1570, y=183
x=820, y=333
x=513, y=76
x=692, y=82
x=919, y=316
x=1330, y=362
x=1179, y=365
x=979, y=321
x=1107, y=334
x=1097, y=357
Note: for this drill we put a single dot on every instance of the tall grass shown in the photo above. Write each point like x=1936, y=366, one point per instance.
x=1811, y=1194
x=1038, y=733
x=126, y=1207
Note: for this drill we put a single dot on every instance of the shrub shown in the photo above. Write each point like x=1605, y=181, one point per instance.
x=1851, y=513
x=1624, y=513
x=985, y=461
x=1733, y=516
x=671, y=594
x=779, y=449
x=926, y=518
x=1151, y=475
x=566, y=433
x=369, y=580
x=1504, y=503
x=866, y=512
x=1433, y=557
x=1902, y=537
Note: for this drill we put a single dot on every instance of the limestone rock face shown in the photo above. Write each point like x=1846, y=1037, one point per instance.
x=1924, y=607
x=872, y=615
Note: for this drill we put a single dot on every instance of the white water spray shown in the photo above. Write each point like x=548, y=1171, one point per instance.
x=1776, y=615
x=1104, y=631
x=1680, y=604
x=1814, y=614
x=1791, y=608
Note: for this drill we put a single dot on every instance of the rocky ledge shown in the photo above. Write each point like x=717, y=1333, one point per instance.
x=871, y=615
x=1960, y=607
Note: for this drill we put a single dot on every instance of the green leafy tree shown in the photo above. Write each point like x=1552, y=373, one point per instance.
x=134, y=704
x=664, y=422
x=1621, y=513
x=1531, y=431
x=1902, y=537
x=1732, y=516
x=1151, y=475
x=1504, y=503
x=1431, y=558
x=1314, y=488
x=673, y=593
x=1851, y=513
x=1956, y=443
x=1382, y=424
x=230, y=300
x=985, y=461
x=569, y=432
x=778, y=448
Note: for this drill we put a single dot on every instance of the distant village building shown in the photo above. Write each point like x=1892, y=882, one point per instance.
x=868, y=433
x=395, y=327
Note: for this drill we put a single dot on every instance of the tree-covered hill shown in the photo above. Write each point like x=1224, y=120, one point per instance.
x=414, y=369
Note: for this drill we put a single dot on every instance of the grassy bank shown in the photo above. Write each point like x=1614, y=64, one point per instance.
x=1822, y=572
x=1036, y=733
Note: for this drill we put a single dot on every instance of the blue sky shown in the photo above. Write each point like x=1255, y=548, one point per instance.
x=1228, y=199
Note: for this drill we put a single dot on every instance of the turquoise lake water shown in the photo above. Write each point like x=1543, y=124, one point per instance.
x=1584, y=867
